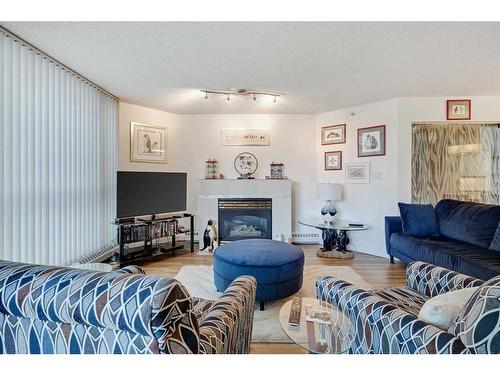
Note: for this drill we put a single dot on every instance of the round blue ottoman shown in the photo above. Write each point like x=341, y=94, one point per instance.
x=277, y=266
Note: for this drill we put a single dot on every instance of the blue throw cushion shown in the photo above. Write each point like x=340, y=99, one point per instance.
x=495, y=243
x=419, y=220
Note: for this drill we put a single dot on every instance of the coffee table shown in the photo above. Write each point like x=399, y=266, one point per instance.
x=319, y=338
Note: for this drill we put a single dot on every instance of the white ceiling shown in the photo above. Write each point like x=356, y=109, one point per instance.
x=317, y=67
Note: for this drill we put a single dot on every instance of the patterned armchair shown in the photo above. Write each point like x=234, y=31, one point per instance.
x=63, y=310
x=385, y=320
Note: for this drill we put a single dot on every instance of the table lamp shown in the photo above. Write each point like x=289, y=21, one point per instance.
x=329, y=193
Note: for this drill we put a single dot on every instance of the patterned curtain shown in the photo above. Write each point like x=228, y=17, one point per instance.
x=457, y=161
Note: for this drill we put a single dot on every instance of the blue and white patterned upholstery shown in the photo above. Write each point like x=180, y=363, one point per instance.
x=62, y=310
x=478, y=326
x=385, y=320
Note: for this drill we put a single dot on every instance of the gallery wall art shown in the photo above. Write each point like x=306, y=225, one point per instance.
x=148, y=143
x=371, y=141
x=334, y=134
x=245, y=137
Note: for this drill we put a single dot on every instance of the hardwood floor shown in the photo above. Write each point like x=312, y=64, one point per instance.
x=377, y=271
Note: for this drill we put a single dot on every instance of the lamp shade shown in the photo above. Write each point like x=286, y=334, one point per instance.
x=330, y=192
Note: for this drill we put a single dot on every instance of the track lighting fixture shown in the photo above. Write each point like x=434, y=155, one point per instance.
x=242, y=92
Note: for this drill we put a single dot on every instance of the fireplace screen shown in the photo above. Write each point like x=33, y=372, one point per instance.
x=244, y=218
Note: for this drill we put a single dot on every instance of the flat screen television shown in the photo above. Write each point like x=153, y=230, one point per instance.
x=148, y=193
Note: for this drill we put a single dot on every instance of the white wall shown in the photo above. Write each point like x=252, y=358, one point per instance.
x=366, y=203
x=192, y=139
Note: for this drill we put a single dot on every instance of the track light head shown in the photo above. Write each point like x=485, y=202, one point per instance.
x=228, y=97
x=274, y=100
x=254, y=98
x=206, y=96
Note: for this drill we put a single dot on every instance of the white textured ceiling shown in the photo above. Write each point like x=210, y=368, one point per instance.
x=317, y=66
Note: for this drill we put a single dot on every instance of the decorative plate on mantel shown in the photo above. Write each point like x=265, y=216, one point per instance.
x=245, y=164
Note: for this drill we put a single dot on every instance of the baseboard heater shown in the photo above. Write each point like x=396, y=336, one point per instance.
x=306, y=238
x=98, y=256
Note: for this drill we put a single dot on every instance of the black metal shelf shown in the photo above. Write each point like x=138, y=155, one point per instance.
x=145, y=239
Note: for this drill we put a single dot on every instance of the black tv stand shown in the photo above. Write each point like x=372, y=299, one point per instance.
x=143, y=239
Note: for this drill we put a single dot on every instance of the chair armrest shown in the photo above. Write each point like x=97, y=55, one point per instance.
x=227, y=326
x=433, y=280
x=131, y=270
x=393, y=224
x=381, y=327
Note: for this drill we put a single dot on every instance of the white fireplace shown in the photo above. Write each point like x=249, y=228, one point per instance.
x=278, y=191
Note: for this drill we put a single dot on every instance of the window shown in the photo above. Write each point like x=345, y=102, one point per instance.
x=57, y=159
x=457, y=161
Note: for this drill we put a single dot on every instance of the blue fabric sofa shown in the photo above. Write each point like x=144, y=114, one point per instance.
x=468, y=242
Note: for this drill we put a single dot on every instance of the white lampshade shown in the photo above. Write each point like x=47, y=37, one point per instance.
x=330, y=192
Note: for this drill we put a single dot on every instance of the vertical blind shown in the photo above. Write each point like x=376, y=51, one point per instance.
x=57, y=159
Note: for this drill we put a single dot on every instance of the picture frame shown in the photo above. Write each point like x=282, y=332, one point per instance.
x=333, y=161
x=245, y=137
x=458, y=109
x=148, y=143
x=371, y=141
x=357, y=173
x=333, y=134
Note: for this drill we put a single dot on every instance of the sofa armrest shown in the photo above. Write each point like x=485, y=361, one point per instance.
x=393, y=224
x=381, y=327
x=433, y=280
x=227, y=326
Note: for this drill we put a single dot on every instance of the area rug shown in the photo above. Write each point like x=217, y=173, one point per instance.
x=199, y=281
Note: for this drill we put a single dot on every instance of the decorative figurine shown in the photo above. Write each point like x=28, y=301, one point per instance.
x=211, y=167
x=277, y=171
x=245, y=164
x=209, y=237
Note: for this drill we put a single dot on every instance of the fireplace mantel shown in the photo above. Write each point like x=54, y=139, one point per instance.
x=280, y=191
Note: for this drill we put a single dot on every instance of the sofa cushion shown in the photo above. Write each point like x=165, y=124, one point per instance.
x=419, y=220
x=443, y=309
x=455, y=255
x=495, y=243
x=470, y=222
x=478, y=325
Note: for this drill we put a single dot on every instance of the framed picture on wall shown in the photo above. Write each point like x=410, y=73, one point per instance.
x=245, y=137
x=458, y=109
x=148, y=143
x=357, y=173
x=334, y=134
x=371, y=141
x=333, y=161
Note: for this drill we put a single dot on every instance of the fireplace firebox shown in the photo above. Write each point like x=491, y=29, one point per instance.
x=244, y=218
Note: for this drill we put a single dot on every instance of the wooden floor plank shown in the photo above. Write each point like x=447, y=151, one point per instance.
x=376, y=270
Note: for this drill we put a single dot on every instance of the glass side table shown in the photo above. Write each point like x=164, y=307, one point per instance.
x=319, y=338
x=335, y=234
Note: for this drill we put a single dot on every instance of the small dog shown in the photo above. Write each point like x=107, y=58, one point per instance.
x=209, y=237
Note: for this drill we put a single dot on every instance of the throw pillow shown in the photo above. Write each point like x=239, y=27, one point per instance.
x=442, y=310
x=495, y=242
x=419, y=220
